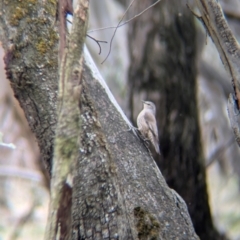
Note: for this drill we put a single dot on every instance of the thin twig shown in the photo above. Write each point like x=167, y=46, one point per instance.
x=98, y=42
x=126, y=22
x=94, y=39
x=119, y=25
x=68, y=20
x=110, y=47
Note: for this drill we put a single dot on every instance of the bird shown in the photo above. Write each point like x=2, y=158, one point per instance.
x=147, y=124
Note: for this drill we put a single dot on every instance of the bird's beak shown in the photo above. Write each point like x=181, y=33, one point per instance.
x=143, y=101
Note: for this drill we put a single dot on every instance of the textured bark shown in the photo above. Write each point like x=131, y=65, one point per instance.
x=213, y=18
x=115, y=190
x=68, y=127
x=228, y=48
x=163, y=69
x=30, y=41
x=120, y=193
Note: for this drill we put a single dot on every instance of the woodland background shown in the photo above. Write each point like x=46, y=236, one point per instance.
x=24, y=195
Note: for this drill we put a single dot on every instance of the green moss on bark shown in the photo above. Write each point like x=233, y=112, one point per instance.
x=35, y=29
x=147, y=225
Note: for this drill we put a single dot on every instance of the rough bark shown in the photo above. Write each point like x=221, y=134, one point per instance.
x=117, y=190
x=228, y=48
x=68, y=127
x=163, y=69
x=30, y=41
x=120, y=193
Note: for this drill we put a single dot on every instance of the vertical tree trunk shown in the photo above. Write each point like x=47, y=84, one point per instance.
x=30, y=39
x=163, y=69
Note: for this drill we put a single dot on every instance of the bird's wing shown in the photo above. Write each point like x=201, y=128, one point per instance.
x=153, y=134
x=151, y=122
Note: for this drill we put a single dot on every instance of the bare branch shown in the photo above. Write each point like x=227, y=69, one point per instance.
x=97, y=41
x=94, y=39
x=110, y=47
x=214, y=21
x=126, y=22
x=119, y=24
x=68, y=126
x=228, y=48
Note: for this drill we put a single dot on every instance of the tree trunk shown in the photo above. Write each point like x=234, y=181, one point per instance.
x=30, y=40
x=228, y=48
x=162, y=45
x=114, y=190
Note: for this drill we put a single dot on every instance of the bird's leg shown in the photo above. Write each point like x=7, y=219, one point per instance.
x=137, y=133
x=133, y=129
x=146, y=142
x=143, y=138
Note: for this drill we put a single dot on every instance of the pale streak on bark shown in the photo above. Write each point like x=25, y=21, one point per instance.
x=68, y=125
x=97, y=75
x=215, y=23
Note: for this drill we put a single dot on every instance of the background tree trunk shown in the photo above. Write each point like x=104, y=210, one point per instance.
x=162, y=45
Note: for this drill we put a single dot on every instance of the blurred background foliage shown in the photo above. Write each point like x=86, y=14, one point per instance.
x=24, y=191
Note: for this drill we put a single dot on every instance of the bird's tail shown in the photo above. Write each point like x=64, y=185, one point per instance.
x=156, y=145
x=154, y=140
